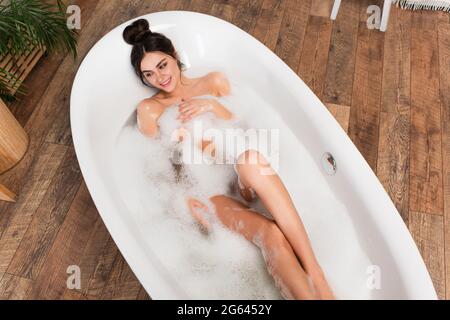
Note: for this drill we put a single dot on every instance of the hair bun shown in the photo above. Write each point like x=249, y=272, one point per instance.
x=136, y=32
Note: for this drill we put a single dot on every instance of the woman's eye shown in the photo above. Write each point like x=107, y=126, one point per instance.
x=163, y=65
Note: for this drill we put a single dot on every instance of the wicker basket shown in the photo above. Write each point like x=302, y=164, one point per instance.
x=20, y=66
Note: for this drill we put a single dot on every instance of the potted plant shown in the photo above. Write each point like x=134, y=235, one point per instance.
x=26, y=26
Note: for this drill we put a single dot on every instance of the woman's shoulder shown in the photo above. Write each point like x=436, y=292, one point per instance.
x=220, y=86
x=150, y=105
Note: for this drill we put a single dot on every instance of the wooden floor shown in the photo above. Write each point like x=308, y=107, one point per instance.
x=391, y=89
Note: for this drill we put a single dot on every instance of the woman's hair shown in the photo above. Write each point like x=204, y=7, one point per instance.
x=143, y=40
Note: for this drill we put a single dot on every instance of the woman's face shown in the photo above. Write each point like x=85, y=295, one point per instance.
x=160, y=70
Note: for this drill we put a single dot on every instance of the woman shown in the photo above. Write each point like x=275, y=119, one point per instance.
x=284, y=242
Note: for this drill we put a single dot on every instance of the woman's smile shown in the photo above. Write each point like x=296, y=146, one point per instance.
x=166, y=83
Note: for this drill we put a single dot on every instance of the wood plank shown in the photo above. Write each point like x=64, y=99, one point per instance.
x=366, y=95
x=177, y=4
x=322, y=8
x=72, y=295
x=341, y=114
x=202, y=6
x=122, y=283
x=98, y=259
x=66, y=250
x=246, y=13
x=14, y=288
x=268, y=22
x=47, y=220
x=223, y=9
x=341, y=60
x=143, y=295
x=313, y=63
x=426, y=153
x=444, y=68
x=394, y=139
x=38, y=179
x=292, y=32
x=428, y=233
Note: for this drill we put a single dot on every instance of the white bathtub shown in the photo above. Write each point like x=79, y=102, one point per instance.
x=104, y=96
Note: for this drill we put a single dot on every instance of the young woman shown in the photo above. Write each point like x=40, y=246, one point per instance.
x=284, y=242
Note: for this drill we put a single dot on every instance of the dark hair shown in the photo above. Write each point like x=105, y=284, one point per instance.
x=143, y=40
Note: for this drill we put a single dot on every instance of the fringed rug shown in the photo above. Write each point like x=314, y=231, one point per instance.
x=424, y=4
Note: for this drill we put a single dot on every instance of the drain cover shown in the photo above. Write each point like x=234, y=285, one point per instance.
x=328, y=163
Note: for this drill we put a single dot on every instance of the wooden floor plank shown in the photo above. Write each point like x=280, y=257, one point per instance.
x=122, y=283
x=98, y=259
x=269, y=21
x=426, y=154
x=47, y=220
x=366, y=95
x=246, y=13
x=14, y=287
x=313, y=62
x=322, y=8
x=224, y=10
x=444, y=68
x=428, y=233
x=341, y=114
x=292, y=32
x=394, y=139
x=341, y=60
x=38, y=180
x=66, y=250
x=143, y=295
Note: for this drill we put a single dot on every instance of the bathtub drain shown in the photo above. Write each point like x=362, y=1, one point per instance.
x=328, y=163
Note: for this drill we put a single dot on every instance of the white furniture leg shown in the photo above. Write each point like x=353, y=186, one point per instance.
x=335, y=10
x=385, y=16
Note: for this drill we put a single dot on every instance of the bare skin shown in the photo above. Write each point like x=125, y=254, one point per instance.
x=284, y=242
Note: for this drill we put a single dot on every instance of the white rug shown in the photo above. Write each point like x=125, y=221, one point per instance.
x=424, y=4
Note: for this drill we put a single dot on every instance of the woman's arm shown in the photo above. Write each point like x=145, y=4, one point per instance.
x=147, y=118
x=220, y=110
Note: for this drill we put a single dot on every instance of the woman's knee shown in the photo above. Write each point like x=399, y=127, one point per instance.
x=250, y=165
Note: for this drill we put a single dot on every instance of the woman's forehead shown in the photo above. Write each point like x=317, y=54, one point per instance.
x=151, y=60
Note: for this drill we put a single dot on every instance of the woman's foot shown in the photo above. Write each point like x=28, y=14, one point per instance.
x=247, y=193
x=197, y=210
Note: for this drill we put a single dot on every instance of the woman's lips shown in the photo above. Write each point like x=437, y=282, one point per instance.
x=165, y=84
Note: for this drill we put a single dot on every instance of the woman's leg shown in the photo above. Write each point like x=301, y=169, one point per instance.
x=278, y=255
x=255, y=172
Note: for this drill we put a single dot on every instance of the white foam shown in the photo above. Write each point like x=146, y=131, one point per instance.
x=224, y=265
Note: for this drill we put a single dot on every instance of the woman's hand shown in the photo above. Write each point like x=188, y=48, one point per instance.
x=191, y=108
